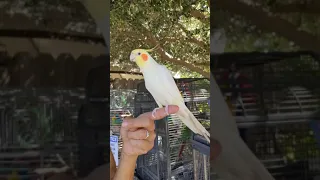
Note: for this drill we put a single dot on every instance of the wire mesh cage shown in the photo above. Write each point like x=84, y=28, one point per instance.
x=201, y=158
x=36, y=126
x=121, y=106
x=274, y=98
x=172, y=155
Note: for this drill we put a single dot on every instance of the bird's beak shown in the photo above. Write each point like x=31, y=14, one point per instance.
x=132, y=57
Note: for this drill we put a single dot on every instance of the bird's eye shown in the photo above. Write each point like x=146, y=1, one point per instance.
x=139, y=54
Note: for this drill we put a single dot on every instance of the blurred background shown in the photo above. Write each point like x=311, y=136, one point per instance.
x=54, y=93
x=266, y=63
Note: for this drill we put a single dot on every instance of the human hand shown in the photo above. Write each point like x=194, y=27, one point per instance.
x=138, y=133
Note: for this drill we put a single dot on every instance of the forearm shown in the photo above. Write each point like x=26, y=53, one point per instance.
x=126, y=167
x=113, y=168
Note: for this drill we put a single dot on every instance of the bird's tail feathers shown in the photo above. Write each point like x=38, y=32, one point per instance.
x=192, y=123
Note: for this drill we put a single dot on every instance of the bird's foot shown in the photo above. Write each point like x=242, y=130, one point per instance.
x=153, y=112
x=167, y=110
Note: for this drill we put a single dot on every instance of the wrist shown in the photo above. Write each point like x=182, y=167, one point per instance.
x=126, y=167
x=129, y=157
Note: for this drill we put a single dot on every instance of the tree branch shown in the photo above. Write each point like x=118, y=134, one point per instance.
x=193, y=40
x=153, y=41
x=311, y=8
x=127, y=33
x=199, y=15
x=269, y=23
x=186, y=39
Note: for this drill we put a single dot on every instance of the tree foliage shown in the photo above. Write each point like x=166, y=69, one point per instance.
x=67, y=16
x=181, y=28
x=258, y=25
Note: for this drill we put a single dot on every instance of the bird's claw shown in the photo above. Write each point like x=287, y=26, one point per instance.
x=167, y=110
x=153, y=112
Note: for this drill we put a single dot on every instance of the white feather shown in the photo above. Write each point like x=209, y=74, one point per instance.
x=161, y=85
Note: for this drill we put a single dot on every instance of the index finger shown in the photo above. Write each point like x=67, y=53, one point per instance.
x=146, y=120
x=161, y=112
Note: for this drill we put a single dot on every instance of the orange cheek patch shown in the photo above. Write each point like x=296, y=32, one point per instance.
x=144, y=57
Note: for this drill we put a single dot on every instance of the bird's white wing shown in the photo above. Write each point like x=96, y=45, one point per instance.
x=170, y=85
x=160, y=83
x=162, y=86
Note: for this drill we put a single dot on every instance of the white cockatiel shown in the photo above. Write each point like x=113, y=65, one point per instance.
x=160, y=83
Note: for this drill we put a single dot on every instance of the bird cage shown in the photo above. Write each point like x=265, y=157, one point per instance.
x=121, y=106
x=201, y=158
x=122, y=99
x=36, y=124
x=275, y=100
x=171, y=157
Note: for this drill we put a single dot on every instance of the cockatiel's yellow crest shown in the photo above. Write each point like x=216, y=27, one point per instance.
x=142, y=57
x=161, y=85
